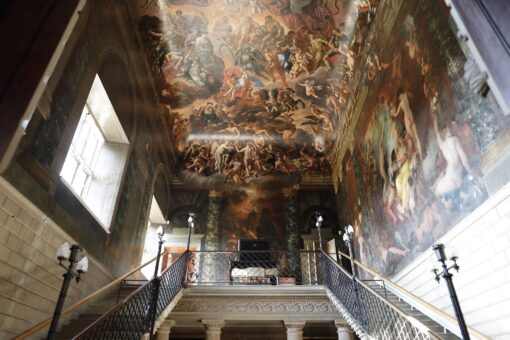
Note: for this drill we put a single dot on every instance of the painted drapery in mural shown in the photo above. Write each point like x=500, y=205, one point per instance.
x=254, y=88
x=415, y=168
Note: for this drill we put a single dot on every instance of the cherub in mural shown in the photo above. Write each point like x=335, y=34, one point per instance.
x=289, y=101
x=319, y=47
x=320, y=118
x=410, y=32
x=349, y=56
x=450, y=180
x=335, y=100
x=273, y=67
x=311, y=89
x=200, y=162
x=319, y=142
x=374, y=66
x=334, y=44
x=233, y=170
x=301, y=59
x=409, y=121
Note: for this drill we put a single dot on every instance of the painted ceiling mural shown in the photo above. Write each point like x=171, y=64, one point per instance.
x=415, y=166
x=254, y=88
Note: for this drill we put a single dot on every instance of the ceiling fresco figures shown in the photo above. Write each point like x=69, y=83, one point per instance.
x=254, y=89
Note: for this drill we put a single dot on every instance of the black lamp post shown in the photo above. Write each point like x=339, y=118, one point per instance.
x=348, y=240
x=318, y=224
x=156, y=281
x=161, y=235
x=445, y=274
x=191, y=225
x=67, y=253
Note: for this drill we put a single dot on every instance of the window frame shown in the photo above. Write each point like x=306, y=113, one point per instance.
x=111, y=191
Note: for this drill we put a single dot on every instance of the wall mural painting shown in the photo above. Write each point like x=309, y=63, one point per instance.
x=253, y=214
x=254, y=88
x=415, y=169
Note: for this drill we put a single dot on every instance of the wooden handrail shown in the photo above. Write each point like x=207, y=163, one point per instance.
x=81, y=302
x=413, y=297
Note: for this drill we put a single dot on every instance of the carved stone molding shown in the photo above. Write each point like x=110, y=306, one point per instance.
x=243, y=306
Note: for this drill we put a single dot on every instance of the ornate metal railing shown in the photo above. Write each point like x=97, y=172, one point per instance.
x=389, y=286
x=368, y=312
x=136, y=315
x=101, y=292
x=254, y=268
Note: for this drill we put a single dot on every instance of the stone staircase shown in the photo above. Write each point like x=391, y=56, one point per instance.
x=411, y=311
x=75, y=326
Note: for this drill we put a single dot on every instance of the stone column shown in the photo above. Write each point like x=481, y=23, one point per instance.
x=213, y=220
x=212, y=237
x=292, y=229
x=213, y=329
x=344, y=331
x=294, y=329
x=163, y=332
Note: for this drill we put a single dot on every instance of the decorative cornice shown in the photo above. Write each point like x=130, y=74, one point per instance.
x=256, y=291
x=205, y=305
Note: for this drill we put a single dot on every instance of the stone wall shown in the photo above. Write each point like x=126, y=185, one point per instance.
x=30, y=278
x=482, y=241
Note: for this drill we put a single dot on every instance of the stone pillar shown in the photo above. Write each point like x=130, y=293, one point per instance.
x=163, y=332
x=292, y=229
x=294, y=329
x=209, y=271
x=213, y=329
x=213, y=220
x=344, y=331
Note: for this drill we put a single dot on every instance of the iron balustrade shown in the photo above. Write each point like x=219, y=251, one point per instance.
x=368, y=311
x=137, y=313
x=254, y=268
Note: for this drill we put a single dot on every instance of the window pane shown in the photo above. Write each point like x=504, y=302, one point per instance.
x=69, y=168
x=89, y=151
x=79, y=181
x=81, y=137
